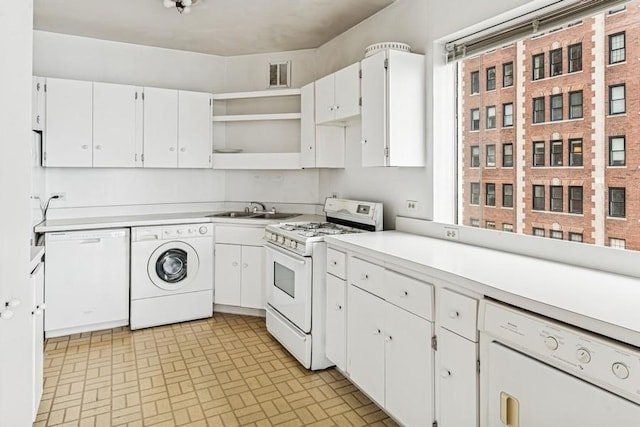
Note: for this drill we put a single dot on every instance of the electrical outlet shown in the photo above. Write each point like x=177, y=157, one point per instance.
x=335, y=195
x=412, y=206
x=451, y=233
x=61, y=196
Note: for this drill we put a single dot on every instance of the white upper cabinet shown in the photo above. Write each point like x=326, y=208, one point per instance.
x=37, y=103
x=115, y=125
x=393, y=109
x=338, y=96
x=194, y=129
x=160, y=128
x=69, y=123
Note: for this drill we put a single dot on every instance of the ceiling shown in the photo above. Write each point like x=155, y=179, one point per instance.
x=219, y=27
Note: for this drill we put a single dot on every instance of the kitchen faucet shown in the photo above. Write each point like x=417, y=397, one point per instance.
x=264, y=208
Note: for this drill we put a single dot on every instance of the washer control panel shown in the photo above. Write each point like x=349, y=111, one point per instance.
x=607, y=363
x=186, y=231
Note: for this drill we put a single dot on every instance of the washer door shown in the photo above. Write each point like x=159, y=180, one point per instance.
x=173, y=266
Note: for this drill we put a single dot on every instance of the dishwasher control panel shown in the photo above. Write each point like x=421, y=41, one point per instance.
x=605, y=362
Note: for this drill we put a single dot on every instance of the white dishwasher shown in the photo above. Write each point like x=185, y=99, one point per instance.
x=86, y=281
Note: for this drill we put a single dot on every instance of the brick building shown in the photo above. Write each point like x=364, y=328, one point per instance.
x=550, y=130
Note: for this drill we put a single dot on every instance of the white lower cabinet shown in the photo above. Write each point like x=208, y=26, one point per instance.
x=37, y=283
x=336, y=340
x=239, y=275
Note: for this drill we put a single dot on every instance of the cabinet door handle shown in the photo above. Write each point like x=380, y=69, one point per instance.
x=388, y=338
x=98, y=147
x=234, y=263
x=331, y=108
x=84, y=147
x=338, y=307
x=377, y=332
x=183, y=149
x=334, y=262
x=337, y=107
x=363, y=141
x=445, y=373
x=404, y=294
x=245, y=265
x=509, y=410
x=454, y=314
x=172, y=148
x=364, y=277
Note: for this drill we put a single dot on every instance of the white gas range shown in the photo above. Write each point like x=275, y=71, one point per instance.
x=296, y=276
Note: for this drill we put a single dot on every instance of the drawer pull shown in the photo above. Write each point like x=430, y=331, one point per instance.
x=404, y=294
x=338, y=307
x=334, y=262
x=377, y=332
x=454, y=314
x=445, y=373
x=364, y=277
x=388, y=338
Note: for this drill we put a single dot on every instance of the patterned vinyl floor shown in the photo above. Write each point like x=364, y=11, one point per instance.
x=223, y=371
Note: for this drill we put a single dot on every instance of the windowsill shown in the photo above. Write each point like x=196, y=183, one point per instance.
x=506, y=87
x=474, y=94
x=490, y=206
x=490, y=167
x=507, y=127
x=610, y=116
x=616, y=218
x=617, y=167
x=573, y=72
x=559, y=213
x=474, y=130
x=617, y=63
x=556, y=167
x=507, y=167
x=554, y=122
x=509, y=208
x=487, y=129
x=489, y=90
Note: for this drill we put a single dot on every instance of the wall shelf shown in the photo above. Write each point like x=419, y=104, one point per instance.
x=255, y=94
x=256, y=117
x=256, y=161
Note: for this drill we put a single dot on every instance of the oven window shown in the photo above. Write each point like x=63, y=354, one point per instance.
x=284, y=279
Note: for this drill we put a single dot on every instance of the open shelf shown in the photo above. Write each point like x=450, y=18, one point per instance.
x=257, y=161
x=255, y=117
x=255, y=94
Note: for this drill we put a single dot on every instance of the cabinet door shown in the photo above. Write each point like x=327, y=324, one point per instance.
x=365, y=342
x=330, y=146
x=227, y=274
x=374, y=110
x=114, y=125
x=37, y=279
x=307, y=127
x=252, y=284
x=409, y=367
x=69, y=126
x=194, y=129
x=325, y=99
x=457, y=380
x=336, y=322
x=160, y=128
x=347, y=91
x=37, y=103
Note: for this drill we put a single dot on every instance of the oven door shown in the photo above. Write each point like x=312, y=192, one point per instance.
x=288, y=281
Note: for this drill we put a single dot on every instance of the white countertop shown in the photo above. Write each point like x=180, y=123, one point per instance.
x=36, y=256
x=605, y=303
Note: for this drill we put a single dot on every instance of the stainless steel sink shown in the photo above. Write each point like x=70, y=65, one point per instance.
x=251, y=215
x=278, y=215
x=231, y=214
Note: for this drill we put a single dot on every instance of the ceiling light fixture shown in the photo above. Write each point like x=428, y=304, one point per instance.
x=183, y=6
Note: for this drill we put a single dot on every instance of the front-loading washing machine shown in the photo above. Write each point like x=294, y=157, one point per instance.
x=171, y=274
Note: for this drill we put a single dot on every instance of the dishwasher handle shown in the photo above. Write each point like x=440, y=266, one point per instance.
x=89, y=236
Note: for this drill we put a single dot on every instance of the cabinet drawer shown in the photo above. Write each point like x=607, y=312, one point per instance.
x=250, y=236
x=458, y=313
x=366, y=275
x=408, y=293
x=337, y=263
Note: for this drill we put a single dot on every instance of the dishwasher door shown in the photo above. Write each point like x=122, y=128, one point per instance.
x=86, y=281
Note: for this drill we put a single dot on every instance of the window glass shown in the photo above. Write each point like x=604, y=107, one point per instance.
x=555, y=234
x=575, y=105
x=507, y=195
x=616, y=99
x=491, y=195
x=575, y=153
x=475, y=193
x=491, y=117
x=475, y=82
x=491, y=78
x=556, y=107
x=617, y=206
x=575, y=237
x=538, y=66
x=538, y=232
x=507, y=74
x=556, y=153
x=575, y=58
x=556, y=198
x=617, y=151
x=507, y=115
x=538, y=197
x=475, y=156
x=538, y=153
x=507, y=155
x=575, y=200
x=617, y=48
x=475, y=119
x=555, y=60
x=507, y=227
x=538, y=110
x=491, y=155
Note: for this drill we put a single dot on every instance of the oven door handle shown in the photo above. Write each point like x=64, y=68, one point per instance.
x=294, y=257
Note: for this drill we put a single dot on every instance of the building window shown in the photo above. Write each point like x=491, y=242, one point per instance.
x=538, y=110
x=491, y=117
x=617, y=99
x=575, y=105
x=556, y=107
x=575, y=152
x=617, y=243
x=538, y=232
x=575, y=57
x=617, y=151
x=475, y=222
x=491, y=155
x=555, y=62
x=556, y=153
x=555, y=234
x=507, y=74
x=490, y=197
x=507, y=115
x=475, y=193
x=491, y=225
x=507, y=155
x=507, y=195
x=491, y=78
x=538, y=153
x=475, y=119
x=575, y=200
x=538, y=197
x=556, y=198
x=538, y=66
x=616, y=202
x=475, y=82
x=616, y=48
x=475, y=156
x=507, y=227
x=575, y=237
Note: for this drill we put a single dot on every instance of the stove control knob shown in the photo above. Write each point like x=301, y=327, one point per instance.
x=551, y=343
x=620, y=370
x=267, y=235
x=274, y=237
x=281, y=239
x=203, y=230
x=179, y=231
x=294, y=244
x=583, y=355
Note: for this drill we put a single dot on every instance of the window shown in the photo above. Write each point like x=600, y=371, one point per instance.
x=575, y=237
x=507, y=74
x=507, y=195
x=556, y=153
x=555, y=62
x=538, y=66
x=491, y=225
x=475, y=82
x=616, y=99
x=475, y=119
x=538, y=153
x=475, y=193
x=617, y=151
x=556, y=198
x=538, y=197
x=490, y=197
x=475, y=222
x=617, y=243
x=491, y=155
x=491, y=117
x=507, y=155
x=575, y=105
x=538, y=110
x=616, y=202
x=556, y=107
x=491, y=78
x=616, y=48
x=475, y=156
x=507, y=227
x=507, y=115
x=575, y=152
x=575, y=57
x=539, y=232
x=555, y=234
x=575, y=200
